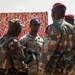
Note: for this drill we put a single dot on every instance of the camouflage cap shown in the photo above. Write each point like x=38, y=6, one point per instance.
x=14, y=22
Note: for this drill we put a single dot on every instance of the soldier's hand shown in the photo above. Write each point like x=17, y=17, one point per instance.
x=25, y=66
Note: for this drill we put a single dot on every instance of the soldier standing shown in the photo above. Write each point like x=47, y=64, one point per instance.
x=33, y=44
x=58, y=43
x=12, y=58
x=69, y=18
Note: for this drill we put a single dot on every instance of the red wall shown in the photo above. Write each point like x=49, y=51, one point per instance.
x=25, y=18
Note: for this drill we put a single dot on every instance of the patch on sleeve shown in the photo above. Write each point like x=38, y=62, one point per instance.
x=46, y=39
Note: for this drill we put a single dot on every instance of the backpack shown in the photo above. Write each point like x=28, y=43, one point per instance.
x=59, y=62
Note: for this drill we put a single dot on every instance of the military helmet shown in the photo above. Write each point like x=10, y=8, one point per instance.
x=14, y=22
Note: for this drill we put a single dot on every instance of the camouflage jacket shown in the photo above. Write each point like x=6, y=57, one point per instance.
x=11, y=49
x=51, y=39
x=33, y=44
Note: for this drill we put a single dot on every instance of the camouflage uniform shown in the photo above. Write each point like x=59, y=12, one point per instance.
x=12, y=50
x=33, y=44
x=70, y=19
x=50, y=43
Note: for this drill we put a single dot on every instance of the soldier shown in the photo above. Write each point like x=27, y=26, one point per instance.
x=69, y=18
x=12, y=58
x=58, y=42
x=33, y=42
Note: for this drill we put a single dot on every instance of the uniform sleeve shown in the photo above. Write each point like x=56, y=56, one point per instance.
x=17, y=55
x=48, y=48
x=50, y=41
x=22, y=40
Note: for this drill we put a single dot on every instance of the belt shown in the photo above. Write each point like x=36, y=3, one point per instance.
x=3, y=70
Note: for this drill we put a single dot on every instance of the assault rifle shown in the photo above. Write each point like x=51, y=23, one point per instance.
x=32, y=57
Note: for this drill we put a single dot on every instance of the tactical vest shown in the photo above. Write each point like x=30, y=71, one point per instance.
x=54, y=64
x=4, y=60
